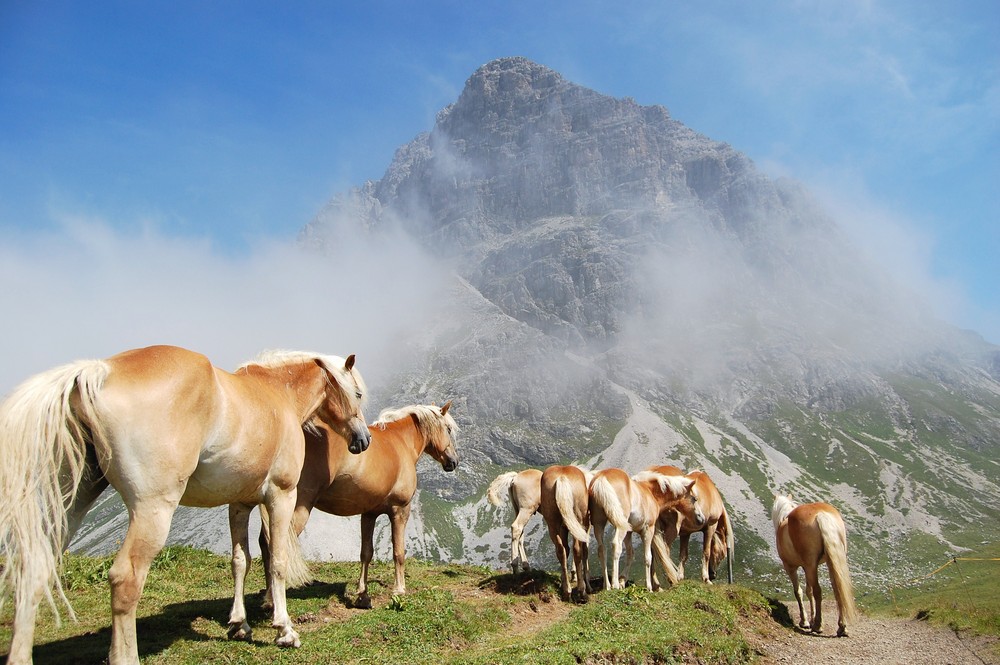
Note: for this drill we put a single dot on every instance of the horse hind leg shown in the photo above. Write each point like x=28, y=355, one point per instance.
x=793, y=576
x=518, y=557
x=239, y=520
x=815, y=594
x=149, y=524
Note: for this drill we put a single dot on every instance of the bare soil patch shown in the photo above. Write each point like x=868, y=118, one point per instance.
x=874, y=640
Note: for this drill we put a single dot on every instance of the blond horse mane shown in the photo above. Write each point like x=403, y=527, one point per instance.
x=675, y=485
x=782, y=506
x=335, y=366
x=429, y=419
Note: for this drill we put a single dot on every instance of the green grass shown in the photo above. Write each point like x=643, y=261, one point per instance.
x=963, y=595
x=451, y=614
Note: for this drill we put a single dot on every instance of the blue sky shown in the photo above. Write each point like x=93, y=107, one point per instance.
x=209, y=133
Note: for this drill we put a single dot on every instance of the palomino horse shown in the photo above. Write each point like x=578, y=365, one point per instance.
x=715, y=527
x=564, y=499
x=380, y=482
x=163, y=427
x=525, y=492
x=807, y=535
x=634, y=504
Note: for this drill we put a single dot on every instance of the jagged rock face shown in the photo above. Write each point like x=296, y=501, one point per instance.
x=624, y=275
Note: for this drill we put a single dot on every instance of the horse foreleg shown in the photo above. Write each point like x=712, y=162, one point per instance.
x=363, y=600
x=793, y=576
x=708, y=540
x=815, y=598
x=239, y=521
x=647, y=551
x=398, y=517
x=682, y=554
x=279, y=507
x=149, y=523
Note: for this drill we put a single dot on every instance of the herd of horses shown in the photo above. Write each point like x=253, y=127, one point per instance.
x=286, y=432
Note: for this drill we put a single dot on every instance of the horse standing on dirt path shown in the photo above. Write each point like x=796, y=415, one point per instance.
x=380, y=482
x=564, y=506
x=163, y=427
x=634, y=504
x=715, y=527
x=807, y=535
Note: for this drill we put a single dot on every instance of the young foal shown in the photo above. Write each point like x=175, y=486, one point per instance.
x=634, y=504
x=524, y=490
x=163, y=427
x=380, y=482
x=563, y=493
x=806, y=536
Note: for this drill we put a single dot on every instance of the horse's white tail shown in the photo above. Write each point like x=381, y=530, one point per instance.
x=500, y=488
x=604, y=495
x=297, y=570
x=835, y=543
x=43, y=450
x=564, y=501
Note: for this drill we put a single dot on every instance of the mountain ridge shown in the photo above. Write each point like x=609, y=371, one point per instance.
x=628, y=290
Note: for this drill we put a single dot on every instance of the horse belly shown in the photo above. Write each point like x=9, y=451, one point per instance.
x=346, y=496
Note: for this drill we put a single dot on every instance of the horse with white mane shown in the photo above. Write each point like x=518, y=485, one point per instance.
x=163, y=427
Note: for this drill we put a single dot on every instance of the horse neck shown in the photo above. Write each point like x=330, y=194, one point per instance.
x=409, y=432
x=302, y=382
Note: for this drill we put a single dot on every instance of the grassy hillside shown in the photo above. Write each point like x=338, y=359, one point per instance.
x=450, y=614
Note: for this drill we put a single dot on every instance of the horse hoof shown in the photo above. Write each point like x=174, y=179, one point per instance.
x=289, y=640
x=240, y=632
x=579, y=597
x=363, y=602
x=842, y=631
x=818, y=630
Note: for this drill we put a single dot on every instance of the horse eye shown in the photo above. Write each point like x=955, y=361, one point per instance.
x=358, y=394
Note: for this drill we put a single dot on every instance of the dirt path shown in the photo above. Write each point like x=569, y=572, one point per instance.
x=874, y=640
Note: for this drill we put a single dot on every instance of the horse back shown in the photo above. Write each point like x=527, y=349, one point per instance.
x=800, y=534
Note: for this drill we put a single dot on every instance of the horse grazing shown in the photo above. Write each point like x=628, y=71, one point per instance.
x=380, y=482
x=524, y=490
x=163, y=427
x=715, y=528
x=564, y=506
x=634, y=504
x=807, y=535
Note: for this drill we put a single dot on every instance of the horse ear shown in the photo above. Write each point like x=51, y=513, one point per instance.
x=444, y=409
x=689, y=484
x=349, y=363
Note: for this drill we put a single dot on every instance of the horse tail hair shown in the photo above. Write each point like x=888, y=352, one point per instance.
x=604, y=495
x=43, y=445
x=500, y=487
x=835, y=544
x=565, y=503
x=297, y=571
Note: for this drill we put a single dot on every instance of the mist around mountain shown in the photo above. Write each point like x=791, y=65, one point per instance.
x=628, y=292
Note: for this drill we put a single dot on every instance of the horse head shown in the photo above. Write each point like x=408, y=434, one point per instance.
x=441, y=439
x=341, y=406
x=690, y=505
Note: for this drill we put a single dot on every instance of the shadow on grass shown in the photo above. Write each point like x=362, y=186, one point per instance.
x=527, y=583
x=156, y=633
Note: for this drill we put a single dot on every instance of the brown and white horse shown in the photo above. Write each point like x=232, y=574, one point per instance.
x=713, y=524
x=564, y=506
x=807, y=535
x=634, y=504
x=163, y=427
x=525, y=491
x=380, y=482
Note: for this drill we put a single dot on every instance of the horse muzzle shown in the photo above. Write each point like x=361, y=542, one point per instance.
x=360, y=439
x=450, y=464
